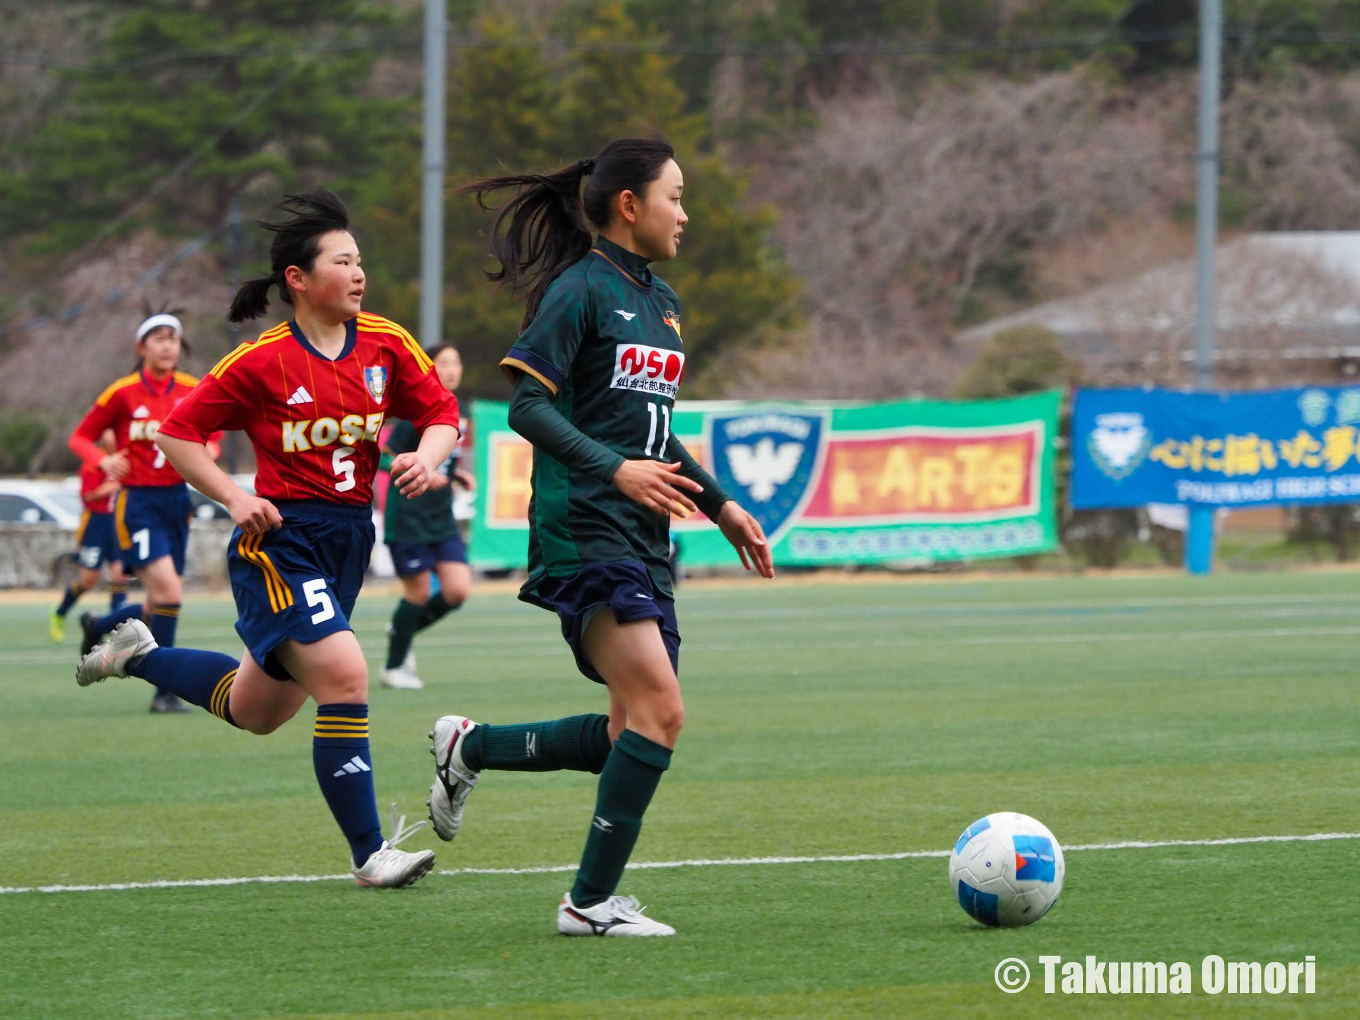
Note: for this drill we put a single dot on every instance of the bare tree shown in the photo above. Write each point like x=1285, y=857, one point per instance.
x=1288, y=146
x=889, y=214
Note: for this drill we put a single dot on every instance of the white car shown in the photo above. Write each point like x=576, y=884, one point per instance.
x=32, y=501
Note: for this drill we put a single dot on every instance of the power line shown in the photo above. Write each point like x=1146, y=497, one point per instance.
x=79, y=308
x=929, y=47
x=900, y=48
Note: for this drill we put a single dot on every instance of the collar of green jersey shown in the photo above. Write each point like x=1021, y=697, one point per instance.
x=631, y=265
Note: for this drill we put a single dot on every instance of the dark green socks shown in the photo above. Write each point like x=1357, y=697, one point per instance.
x=627, y=783
x=409, y=618
x=405, y=622
x=579, y=743
x=434, y=611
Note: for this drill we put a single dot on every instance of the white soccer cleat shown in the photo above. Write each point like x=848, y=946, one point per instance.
x=620, y=916
x=131, y=639
x=390, y=868
x=453, y=780
x=401, y=679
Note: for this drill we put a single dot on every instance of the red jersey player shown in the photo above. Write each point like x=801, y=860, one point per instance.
x=312, y=394
x=96, y=543
x=151, y=514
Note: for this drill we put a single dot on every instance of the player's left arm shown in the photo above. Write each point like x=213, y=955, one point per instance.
x=711, y=499
x=420, y=398
x=737, y=526
x=413, y=473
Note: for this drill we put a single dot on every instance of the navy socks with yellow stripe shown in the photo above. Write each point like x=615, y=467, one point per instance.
x=164, y=622
x=117, y=595
x=104, y=624
x=626, y=787
x=73, y=592
x=579, y=743
x=344, y=771
x=200, y=678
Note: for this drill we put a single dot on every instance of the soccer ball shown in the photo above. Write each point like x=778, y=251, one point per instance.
x=1006, y=870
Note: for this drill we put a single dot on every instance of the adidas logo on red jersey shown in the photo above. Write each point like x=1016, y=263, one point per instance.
x=300, y=396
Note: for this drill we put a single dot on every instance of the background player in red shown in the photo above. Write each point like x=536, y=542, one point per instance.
x=311, y=394
x=151, y=513
x=96, y=543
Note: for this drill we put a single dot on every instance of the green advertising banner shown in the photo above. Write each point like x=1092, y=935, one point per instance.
x=831, y=484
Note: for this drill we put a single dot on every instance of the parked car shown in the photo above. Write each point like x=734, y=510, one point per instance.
x=34, y=501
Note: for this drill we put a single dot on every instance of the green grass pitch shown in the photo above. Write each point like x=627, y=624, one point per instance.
x=823, y=720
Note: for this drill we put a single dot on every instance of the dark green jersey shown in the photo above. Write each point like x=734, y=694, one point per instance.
x=606, y=344
x=428, y=517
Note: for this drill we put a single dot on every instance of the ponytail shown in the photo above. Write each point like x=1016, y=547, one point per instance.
x=543, y=226
x=547, y=225
x=297, y=242
x=251, y=301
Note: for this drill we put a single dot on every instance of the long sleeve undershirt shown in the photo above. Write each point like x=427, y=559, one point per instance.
x=533, y=416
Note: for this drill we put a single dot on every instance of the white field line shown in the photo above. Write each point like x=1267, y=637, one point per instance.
x=555, y=648
x=196, y=883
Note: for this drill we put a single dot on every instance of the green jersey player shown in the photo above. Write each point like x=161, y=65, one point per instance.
x=424, y=540
x=596, y=371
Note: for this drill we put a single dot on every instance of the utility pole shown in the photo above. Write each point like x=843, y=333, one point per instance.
x=432, y=181
x=231, y=445
x=1199, y=540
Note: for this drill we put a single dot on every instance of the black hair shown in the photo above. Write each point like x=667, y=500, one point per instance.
x=434, y=350
x=546, y=226
x=147, y=312
x=296, y=243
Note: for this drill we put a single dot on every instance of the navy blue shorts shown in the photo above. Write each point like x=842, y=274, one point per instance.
x=625, y=587
x=411, y=559
x=152, y=521
x=300, y=581
x=96, y=541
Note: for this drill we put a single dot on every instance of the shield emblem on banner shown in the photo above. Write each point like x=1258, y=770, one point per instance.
x=768, y=459
x=1119, y=443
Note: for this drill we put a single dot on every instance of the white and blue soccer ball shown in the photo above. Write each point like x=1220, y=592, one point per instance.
x=1006, y=870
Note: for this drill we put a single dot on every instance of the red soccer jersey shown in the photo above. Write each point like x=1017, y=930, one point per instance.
x=315, y=422
x=135, y=407
x=91, y=478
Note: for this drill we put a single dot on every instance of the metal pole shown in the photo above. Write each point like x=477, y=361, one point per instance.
x=1199, y=539
x=432, y=185
x=231, y=446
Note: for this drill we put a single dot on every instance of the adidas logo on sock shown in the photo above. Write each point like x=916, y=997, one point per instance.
x=300, y=396
x=353, y=767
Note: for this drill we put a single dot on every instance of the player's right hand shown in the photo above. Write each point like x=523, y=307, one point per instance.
x=254, y=515
x=657, y=486
x=115, y=465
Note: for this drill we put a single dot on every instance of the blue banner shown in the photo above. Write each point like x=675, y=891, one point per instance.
x=1132, y=447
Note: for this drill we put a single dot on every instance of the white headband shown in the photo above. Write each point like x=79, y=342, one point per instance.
x=156, y=321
